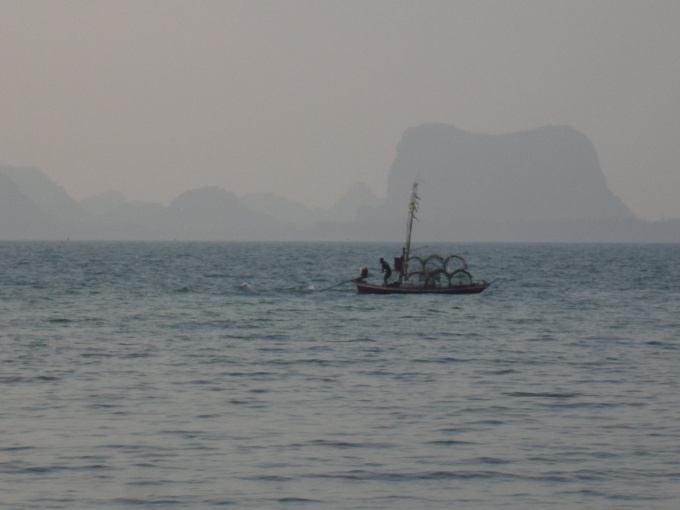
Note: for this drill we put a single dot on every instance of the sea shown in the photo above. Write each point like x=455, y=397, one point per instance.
x=253, y=375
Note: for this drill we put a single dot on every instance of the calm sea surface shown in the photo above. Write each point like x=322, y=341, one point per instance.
x=191, y=375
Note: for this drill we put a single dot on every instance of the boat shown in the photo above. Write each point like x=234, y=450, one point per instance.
x=371, y=288
x=430, y=275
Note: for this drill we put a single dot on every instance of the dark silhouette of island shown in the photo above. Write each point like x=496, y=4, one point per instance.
x=551, y=173
x=20, y=218
x=543, y=185
x=540, y=185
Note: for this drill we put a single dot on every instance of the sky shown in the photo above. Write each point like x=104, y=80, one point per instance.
x=305, y=98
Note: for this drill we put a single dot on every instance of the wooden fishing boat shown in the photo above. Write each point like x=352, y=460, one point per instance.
x=370, y=288
x=429, y=275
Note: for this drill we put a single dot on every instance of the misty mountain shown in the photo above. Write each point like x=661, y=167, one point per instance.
x=134, y=221
x=20, y=218
x=46, y=195
x=354, y=202
x=346, y=209
x=547, y=173
x=105, y=203
x=211, y=213
x=542, y=185
x=205, y=214
x=274, y=206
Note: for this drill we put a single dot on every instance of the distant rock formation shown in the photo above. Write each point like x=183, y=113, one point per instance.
x=47, y=196
x=211, y=213
x=537, y=181
x=20, y=218
x=275, y=206
x=105, y=203
x=355, y=201
x=346, y=209
x=204, y=214
x=547, y=173
x=543, y=185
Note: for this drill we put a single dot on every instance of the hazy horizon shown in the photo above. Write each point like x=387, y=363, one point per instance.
x=304, y=98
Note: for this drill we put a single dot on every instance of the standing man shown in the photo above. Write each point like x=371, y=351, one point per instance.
x=385, y=269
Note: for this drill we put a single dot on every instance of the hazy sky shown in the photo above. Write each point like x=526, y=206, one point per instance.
x=304, y=98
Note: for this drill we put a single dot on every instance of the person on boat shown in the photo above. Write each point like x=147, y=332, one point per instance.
x=385, y=269
x=399, y=265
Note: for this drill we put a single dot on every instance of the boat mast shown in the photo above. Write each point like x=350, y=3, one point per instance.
x=412, y=209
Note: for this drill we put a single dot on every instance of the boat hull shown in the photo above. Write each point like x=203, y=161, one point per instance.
x=370, y=288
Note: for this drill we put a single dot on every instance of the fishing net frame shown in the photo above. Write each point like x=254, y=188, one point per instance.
x=431, y=271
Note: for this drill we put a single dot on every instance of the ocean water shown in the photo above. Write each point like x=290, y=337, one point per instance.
x=210, y=375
